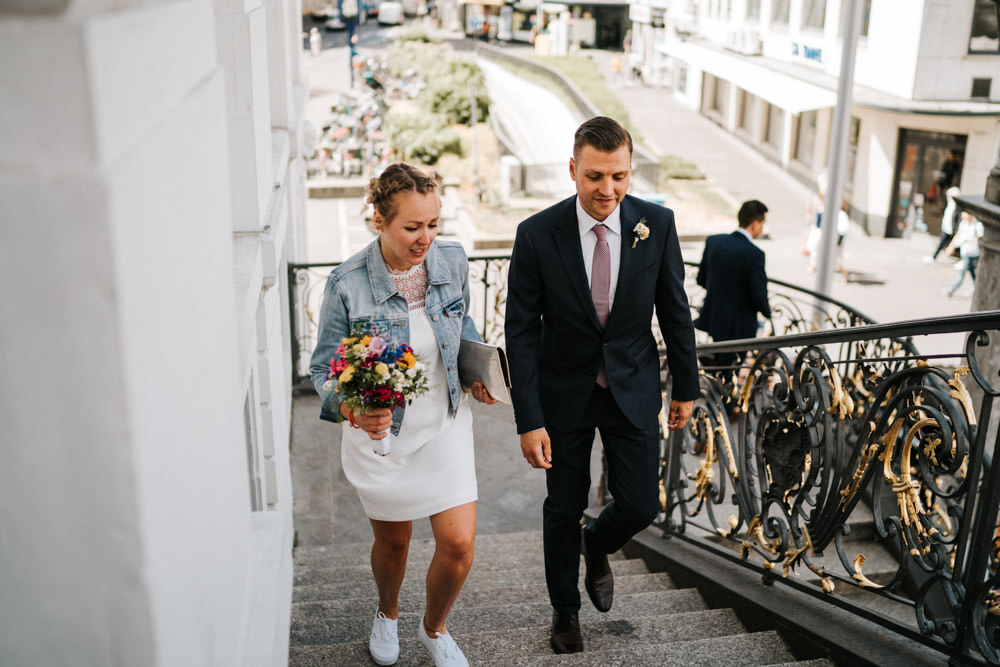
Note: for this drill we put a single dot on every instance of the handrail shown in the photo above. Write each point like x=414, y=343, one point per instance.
x=783, y=453
x=805, y=290
x=989, y=319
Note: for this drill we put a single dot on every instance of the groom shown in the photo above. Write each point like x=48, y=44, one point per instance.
x=585, y=275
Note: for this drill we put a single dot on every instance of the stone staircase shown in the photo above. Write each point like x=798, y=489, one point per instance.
x=502, y=616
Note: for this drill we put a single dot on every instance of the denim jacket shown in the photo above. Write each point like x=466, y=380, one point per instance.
x=360, y=291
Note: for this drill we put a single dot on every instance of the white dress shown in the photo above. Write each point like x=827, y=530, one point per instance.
x=432, y=465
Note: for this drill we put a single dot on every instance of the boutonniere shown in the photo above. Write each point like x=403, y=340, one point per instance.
x=640, y=232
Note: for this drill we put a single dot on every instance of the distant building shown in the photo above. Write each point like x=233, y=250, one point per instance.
x=926, y=108
x=152, y=185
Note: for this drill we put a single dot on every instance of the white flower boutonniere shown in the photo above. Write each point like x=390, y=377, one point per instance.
x=640, y=232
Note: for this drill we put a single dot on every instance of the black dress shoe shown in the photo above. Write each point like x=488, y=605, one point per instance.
x=599, y=581
x=566, y=637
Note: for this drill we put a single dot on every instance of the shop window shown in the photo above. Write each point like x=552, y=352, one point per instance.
x=805, y=137
x=746, y=119
x=779, y=11
x=981, y=88
x=985, y=37
x=682, y=78
x=720, y=95
x=814, y=14
x=773, y=127
x=753, y=10
x=853, y=137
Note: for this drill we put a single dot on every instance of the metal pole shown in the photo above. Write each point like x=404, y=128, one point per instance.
x=852, y=10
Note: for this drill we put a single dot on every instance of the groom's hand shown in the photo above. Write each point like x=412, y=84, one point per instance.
x=537, y=449
x=680, y=412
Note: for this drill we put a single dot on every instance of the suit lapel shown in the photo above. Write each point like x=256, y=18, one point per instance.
x=566, y=233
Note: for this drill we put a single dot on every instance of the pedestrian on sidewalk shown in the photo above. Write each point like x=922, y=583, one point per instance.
x=950, y=219
x=812, y=245
x=585, y=277
x=735, y=281
x=616, y=70
x=414, y=288
x=970, y=230
x=315, y=42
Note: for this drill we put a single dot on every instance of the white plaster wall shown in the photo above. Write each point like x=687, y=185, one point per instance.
x=72, y=579
x=876, y=163
x=241, y=37
x=945, y=69
x=131, y=315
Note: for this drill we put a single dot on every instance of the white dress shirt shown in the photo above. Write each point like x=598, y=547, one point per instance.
x=588, y=241
x=746, y=234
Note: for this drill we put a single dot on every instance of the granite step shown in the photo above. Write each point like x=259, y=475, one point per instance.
x=488, y=555
x=501, y=573
x=758, y=648
x=623, y=649
x=352, y=551
x=363, y=598
x=469, y=620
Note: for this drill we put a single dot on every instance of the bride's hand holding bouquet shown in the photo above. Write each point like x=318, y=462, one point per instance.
x=371, y=375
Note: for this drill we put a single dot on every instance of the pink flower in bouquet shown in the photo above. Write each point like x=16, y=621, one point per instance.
x=377, y=346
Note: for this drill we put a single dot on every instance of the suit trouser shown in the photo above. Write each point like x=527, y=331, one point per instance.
x=633, y=479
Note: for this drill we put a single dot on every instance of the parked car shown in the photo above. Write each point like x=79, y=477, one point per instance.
x=390, y=12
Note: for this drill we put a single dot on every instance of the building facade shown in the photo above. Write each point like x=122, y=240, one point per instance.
x=151, y=193
x=926, y=108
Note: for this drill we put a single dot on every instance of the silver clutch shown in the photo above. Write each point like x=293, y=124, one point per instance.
x=486, y=363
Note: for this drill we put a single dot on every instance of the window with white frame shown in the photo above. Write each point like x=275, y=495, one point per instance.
x=748, y=113
x=985, y=37
x=813, y=14
x=853, y=137
x=779, y=11
x=774, y=126
x=805, y=137
x=753, y=10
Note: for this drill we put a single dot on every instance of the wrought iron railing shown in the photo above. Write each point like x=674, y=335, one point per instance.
x=794, y=309
x=824, y=450
x=487, y=286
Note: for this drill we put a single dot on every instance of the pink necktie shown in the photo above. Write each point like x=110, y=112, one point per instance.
x=600, y=285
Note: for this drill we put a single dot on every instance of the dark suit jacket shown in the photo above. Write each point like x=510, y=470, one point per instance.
x=732, y=273
x=554, y=341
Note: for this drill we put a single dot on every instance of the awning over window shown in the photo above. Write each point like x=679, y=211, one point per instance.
x=788, y=92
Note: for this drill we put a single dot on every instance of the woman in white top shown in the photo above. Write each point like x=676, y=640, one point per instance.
x=415, y=289
x=948, y=220
x=966, y=240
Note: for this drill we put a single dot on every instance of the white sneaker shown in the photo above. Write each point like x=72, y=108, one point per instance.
x=383, y=643
x=443, y=649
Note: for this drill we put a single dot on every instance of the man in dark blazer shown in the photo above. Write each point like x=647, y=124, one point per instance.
x=585, y=276
x=732, y=273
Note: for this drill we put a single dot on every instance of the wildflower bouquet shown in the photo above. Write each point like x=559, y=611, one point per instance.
x=369, y=371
